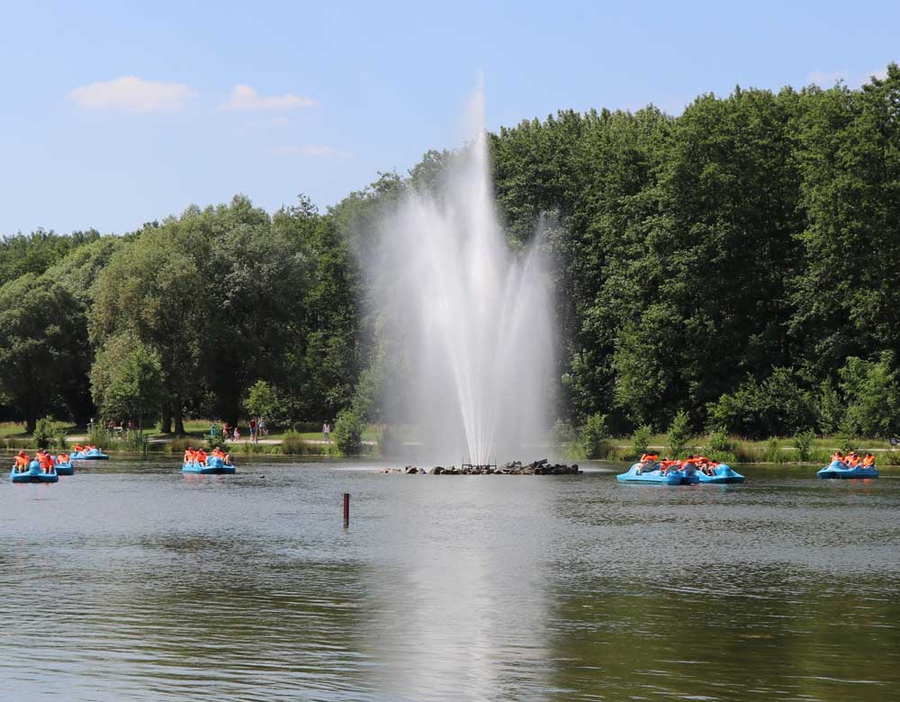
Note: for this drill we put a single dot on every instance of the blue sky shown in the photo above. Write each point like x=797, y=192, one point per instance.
x=113, y=114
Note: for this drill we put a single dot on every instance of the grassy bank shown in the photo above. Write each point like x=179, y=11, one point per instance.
x=775, y=450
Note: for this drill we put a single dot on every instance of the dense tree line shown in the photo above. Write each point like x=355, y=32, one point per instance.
x=739, y=262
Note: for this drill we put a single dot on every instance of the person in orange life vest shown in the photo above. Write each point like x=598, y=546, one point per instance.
x=62, y=459
x=704, y=466
x=218, y=453
x=868, y=460
x=46, y=461
x=22, y=461
x=78, y=448
x=838, y=456
x=665, y=464
x=852, y=459
x=648, y=460
x=689, y=464
x=200, y=457
x=189, y=454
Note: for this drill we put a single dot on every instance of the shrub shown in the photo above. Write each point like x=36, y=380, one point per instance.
x=803, y=444
x=217, y=440
x=100, y=437
x=640, y=441
x=777, y=406
x=773, y=453
x=61, y=442
x=134, y=442
x=679, y=434
x=872, y=393
x=594, y=436
x=348, y=431
x=43, y=432
x=292, y=443
x=721, y=448
x=846, y=436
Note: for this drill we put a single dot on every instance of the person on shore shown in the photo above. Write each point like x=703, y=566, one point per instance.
x=226, y=429
x=22, y=461
x=237, y=434
x=262, y=427
x=253, y=430
x=213, y=430
x=326, y=432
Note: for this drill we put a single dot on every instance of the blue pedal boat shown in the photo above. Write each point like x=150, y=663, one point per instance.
x=674, y=476
x=213, y=466
x=93, y=454
x=840, y=470
x=34, y=474
x=65, y=468
x=723, y=475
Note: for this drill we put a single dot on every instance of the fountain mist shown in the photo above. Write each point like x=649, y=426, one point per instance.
x=472, y=319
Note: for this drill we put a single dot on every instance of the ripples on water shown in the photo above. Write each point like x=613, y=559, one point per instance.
x=131, y=582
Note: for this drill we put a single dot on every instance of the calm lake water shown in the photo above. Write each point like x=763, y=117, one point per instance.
x=129, y=581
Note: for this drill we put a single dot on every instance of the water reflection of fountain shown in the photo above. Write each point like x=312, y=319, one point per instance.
x=461, y=611
x=475, y=320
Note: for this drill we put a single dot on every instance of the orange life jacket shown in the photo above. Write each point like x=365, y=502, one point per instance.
x=868, y=461
x=189, y=456
x=22, y=460
x=200, y=456
x=78, y=447
x=62, y=458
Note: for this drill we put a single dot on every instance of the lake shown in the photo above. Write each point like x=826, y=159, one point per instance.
x=129, y=581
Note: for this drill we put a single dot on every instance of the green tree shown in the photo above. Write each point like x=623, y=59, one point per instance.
x=152, y=290
x=872, y=393
x=40, y=343
x=126, y=380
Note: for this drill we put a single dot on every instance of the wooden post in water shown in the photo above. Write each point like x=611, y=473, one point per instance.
x=346, y=509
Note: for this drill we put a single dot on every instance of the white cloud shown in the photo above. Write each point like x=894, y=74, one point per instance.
x=313, y=151
x=133, y=94
x=243, y=97
x=880, y=74
x=827, y=80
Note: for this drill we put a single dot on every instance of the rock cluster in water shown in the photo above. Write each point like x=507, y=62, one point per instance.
x=541, y=467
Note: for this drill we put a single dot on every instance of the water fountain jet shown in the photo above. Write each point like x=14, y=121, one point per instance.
x=473, y=318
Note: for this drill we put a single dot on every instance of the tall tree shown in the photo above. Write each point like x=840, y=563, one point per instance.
x=40, y=342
